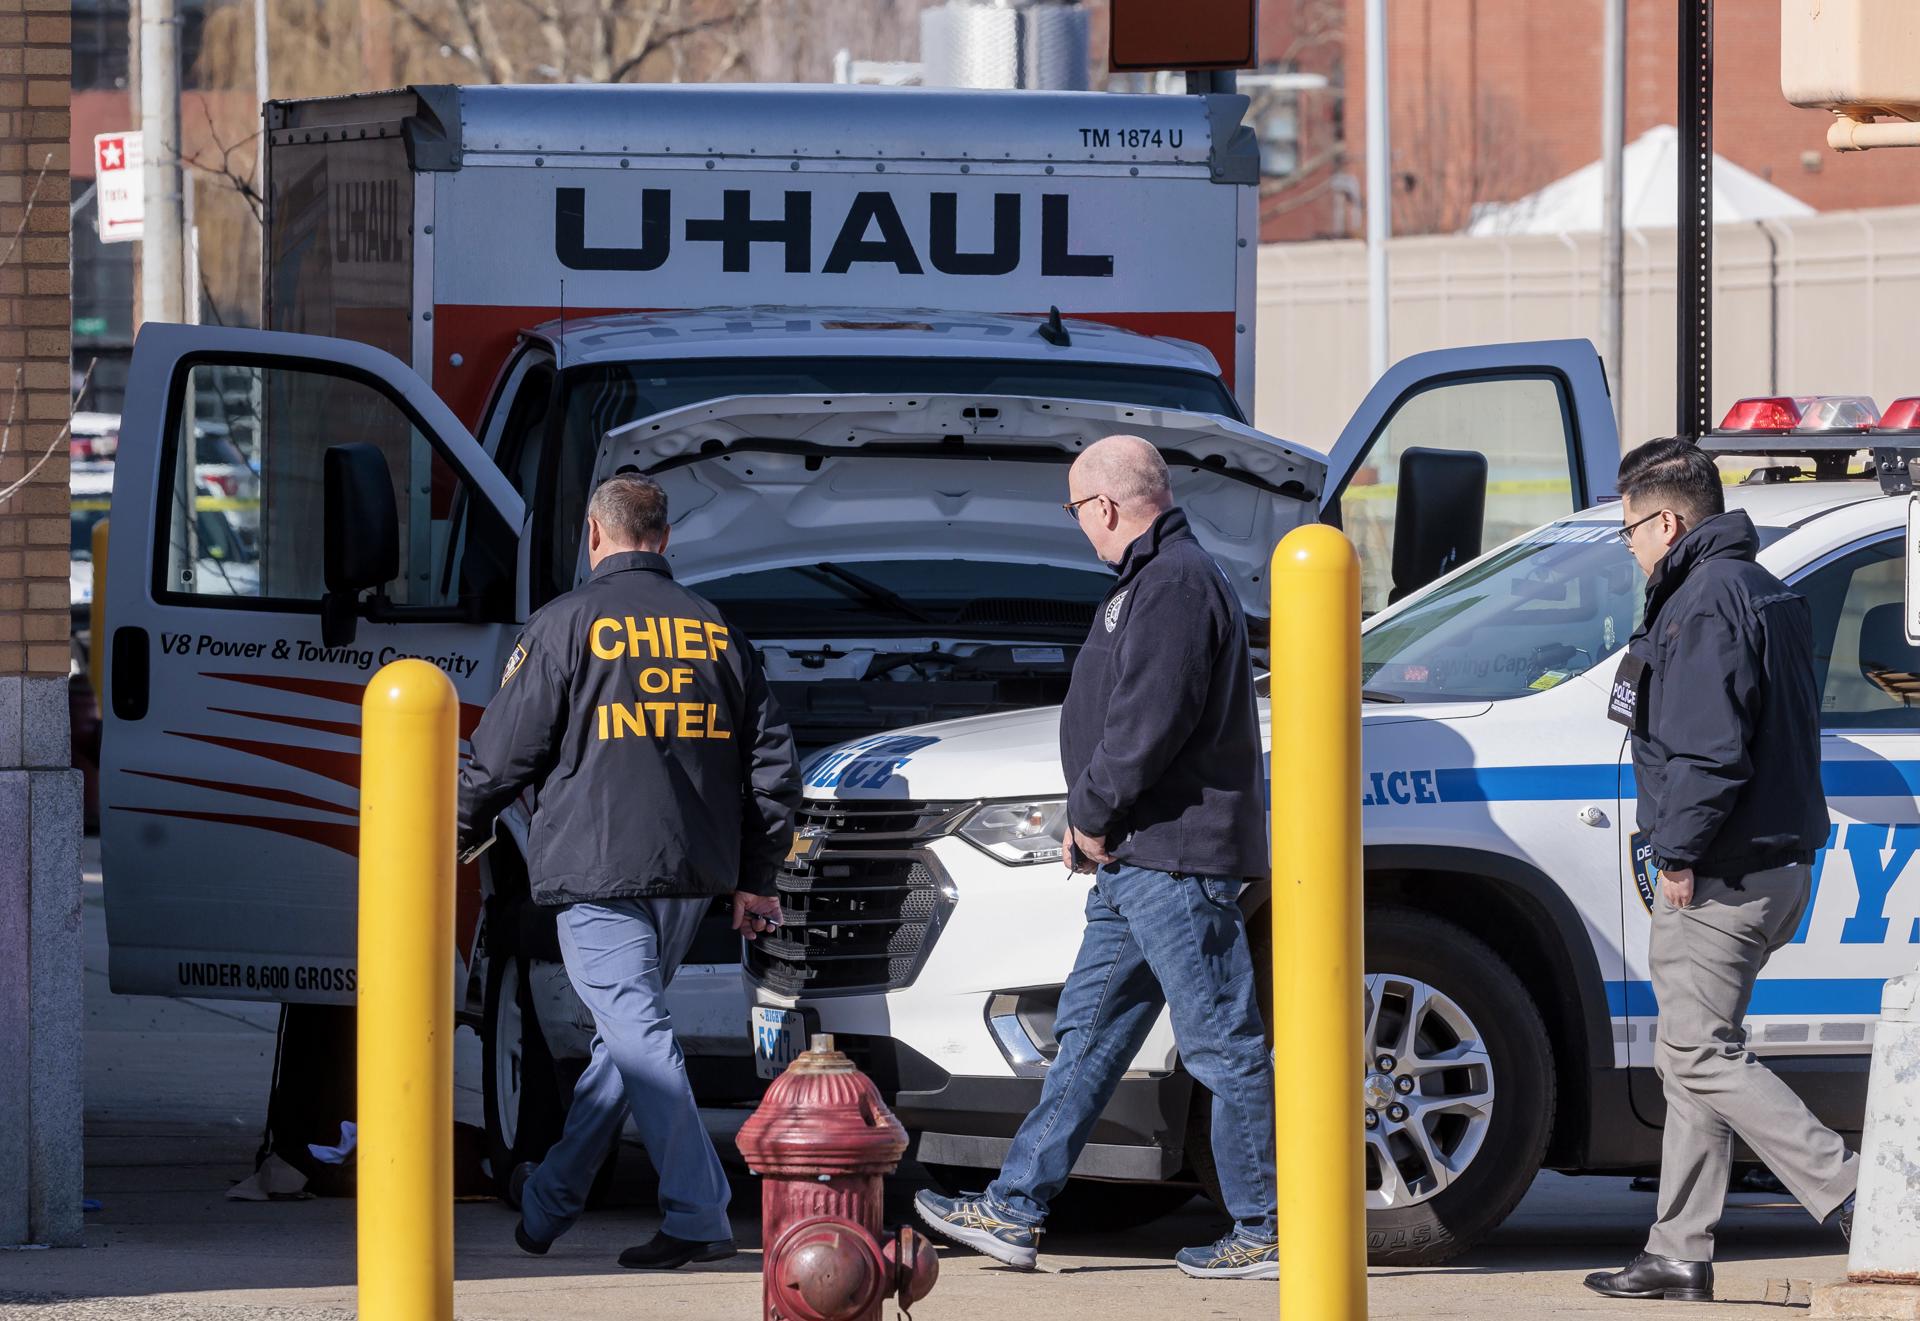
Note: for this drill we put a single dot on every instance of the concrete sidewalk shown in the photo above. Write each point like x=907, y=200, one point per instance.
x=177, y=1091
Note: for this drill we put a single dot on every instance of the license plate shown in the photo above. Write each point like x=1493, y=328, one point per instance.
x=779, y=1035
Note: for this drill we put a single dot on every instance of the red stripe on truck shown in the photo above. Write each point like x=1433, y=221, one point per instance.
x=333, y=690
x=484, y=335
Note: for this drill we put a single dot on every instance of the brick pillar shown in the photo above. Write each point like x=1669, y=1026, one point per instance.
x=40, y=806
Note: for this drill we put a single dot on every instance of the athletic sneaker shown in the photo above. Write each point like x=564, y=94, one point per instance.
x=971, y=1222
x=1233, y=1258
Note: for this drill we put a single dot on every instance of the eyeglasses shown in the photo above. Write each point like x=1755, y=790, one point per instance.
x=1073, y=506
x=1626, y=533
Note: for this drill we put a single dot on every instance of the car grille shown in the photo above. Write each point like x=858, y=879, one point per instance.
x=857, y=822
x=862, y=912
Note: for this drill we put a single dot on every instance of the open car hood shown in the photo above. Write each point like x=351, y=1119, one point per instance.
x=768, y=481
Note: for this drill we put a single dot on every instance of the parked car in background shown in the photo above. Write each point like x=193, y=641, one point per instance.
x=93, y=436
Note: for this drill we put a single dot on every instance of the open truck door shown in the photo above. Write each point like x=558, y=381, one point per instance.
x=1455, y=451
x=247, y=611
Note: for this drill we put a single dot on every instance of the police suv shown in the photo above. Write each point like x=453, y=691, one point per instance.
x=1509, y=1012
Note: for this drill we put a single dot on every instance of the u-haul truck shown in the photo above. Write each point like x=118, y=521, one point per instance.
x=823, y=319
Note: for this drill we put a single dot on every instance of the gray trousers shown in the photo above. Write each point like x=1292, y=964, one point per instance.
x=1704, y=959
x=620, y=955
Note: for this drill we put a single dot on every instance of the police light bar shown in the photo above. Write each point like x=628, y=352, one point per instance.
x=1801, y=414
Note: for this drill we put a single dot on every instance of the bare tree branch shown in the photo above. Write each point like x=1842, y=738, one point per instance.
x=241, y=183
x=59, y=437
x=477, y=15
x=662, y=40
x=27, y=213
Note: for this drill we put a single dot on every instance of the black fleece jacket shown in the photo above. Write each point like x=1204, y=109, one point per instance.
x=662, y=763
x=1158, y=736
x=1726, y=735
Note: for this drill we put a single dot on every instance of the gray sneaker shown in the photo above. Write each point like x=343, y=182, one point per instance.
x=971, y=1222
x=1233, y=1258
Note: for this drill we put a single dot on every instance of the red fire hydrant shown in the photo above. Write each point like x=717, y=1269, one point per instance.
x=822, y=1141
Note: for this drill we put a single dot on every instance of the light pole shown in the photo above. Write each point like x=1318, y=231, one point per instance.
x=1379, y=191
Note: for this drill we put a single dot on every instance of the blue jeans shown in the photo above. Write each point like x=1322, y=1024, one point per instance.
x=1154, y=939
x=620, y=955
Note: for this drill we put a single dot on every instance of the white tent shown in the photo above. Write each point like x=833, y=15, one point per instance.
x=1650, y=189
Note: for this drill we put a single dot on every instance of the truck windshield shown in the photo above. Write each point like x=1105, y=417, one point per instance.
x=1528, y=617
x=616, y=393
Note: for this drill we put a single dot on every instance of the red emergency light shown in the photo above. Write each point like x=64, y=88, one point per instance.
x=1902, y=415
x=1759, y=414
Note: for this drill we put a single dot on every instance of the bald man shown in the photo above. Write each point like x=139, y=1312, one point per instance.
x=1167, y=812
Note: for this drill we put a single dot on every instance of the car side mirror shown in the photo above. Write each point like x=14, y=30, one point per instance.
x=1438, y=515
x=362, y=535
x=1910, y=575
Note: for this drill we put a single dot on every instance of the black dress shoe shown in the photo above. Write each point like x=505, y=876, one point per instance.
x=527, y=1242
x=664, y=1252
x=1648, y=1276
x=517, y=1182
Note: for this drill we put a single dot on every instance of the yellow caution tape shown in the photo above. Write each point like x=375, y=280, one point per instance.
x=222, y=503
x=1517, y=486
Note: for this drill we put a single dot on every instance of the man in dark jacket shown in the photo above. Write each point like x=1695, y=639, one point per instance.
x=665, y=777
x=1718, y=689
x=1167, y=810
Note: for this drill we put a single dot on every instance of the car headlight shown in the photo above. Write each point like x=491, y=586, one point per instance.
x=1019, y=833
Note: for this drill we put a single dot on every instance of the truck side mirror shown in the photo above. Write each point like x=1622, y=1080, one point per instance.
x=362, y=535
x=1438, y=515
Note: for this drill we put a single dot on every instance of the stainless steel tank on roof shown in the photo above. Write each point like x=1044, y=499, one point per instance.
x=1005, y=43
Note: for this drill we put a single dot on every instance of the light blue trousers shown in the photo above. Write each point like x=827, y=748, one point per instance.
x=620, y=956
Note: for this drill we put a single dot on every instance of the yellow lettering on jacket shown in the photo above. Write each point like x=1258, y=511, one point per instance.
x=606, y=650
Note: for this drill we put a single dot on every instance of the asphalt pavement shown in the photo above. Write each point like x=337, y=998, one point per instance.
x=176, y=1092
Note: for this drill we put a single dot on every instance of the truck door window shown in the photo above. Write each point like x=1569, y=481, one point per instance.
x=1865, y=667
x=242, y=517
x=1521, y=423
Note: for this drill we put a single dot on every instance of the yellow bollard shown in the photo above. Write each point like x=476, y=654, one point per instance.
x=1317, y=964
x=405, y=1144
x=97, y=619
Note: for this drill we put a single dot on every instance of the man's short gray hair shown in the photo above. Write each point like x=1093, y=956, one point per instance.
x=632, y=508
x=1129, y=471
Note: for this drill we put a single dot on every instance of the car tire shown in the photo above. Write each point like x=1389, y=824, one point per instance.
x=1405, y=945
x=1084, y=1205
x=519, y=1088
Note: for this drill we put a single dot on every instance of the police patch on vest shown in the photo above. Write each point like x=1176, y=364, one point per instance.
x=1646, y=876
x=514, y=662
x=1113, y=609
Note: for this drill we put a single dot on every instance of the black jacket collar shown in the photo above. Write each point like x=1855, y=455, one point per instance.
x=1724, y=536
x=1169, y=527
x=646, y=561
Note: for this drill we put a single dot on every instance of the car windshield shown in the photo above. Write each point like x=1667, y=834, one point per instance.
x=1528, y=617
x=904, y=595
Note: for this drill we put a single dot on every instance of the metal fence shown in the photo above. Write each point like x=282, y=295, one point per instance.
x=1821, y=305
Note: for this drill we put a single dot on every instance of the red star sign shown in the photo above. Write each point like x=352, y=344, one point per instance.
x=112, y=154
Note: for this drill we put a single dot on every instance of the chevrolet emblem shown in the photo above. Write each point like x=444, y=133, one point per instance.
x=806, y=843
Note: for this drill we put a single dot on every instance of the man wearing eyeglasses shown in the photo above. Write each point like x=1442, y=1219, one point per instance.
x=1167, y=812
x=1718, y=689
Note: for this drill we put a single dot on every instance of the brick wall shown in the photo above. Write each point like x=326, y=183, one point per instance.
x=35, y=324
x=1491, y=99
